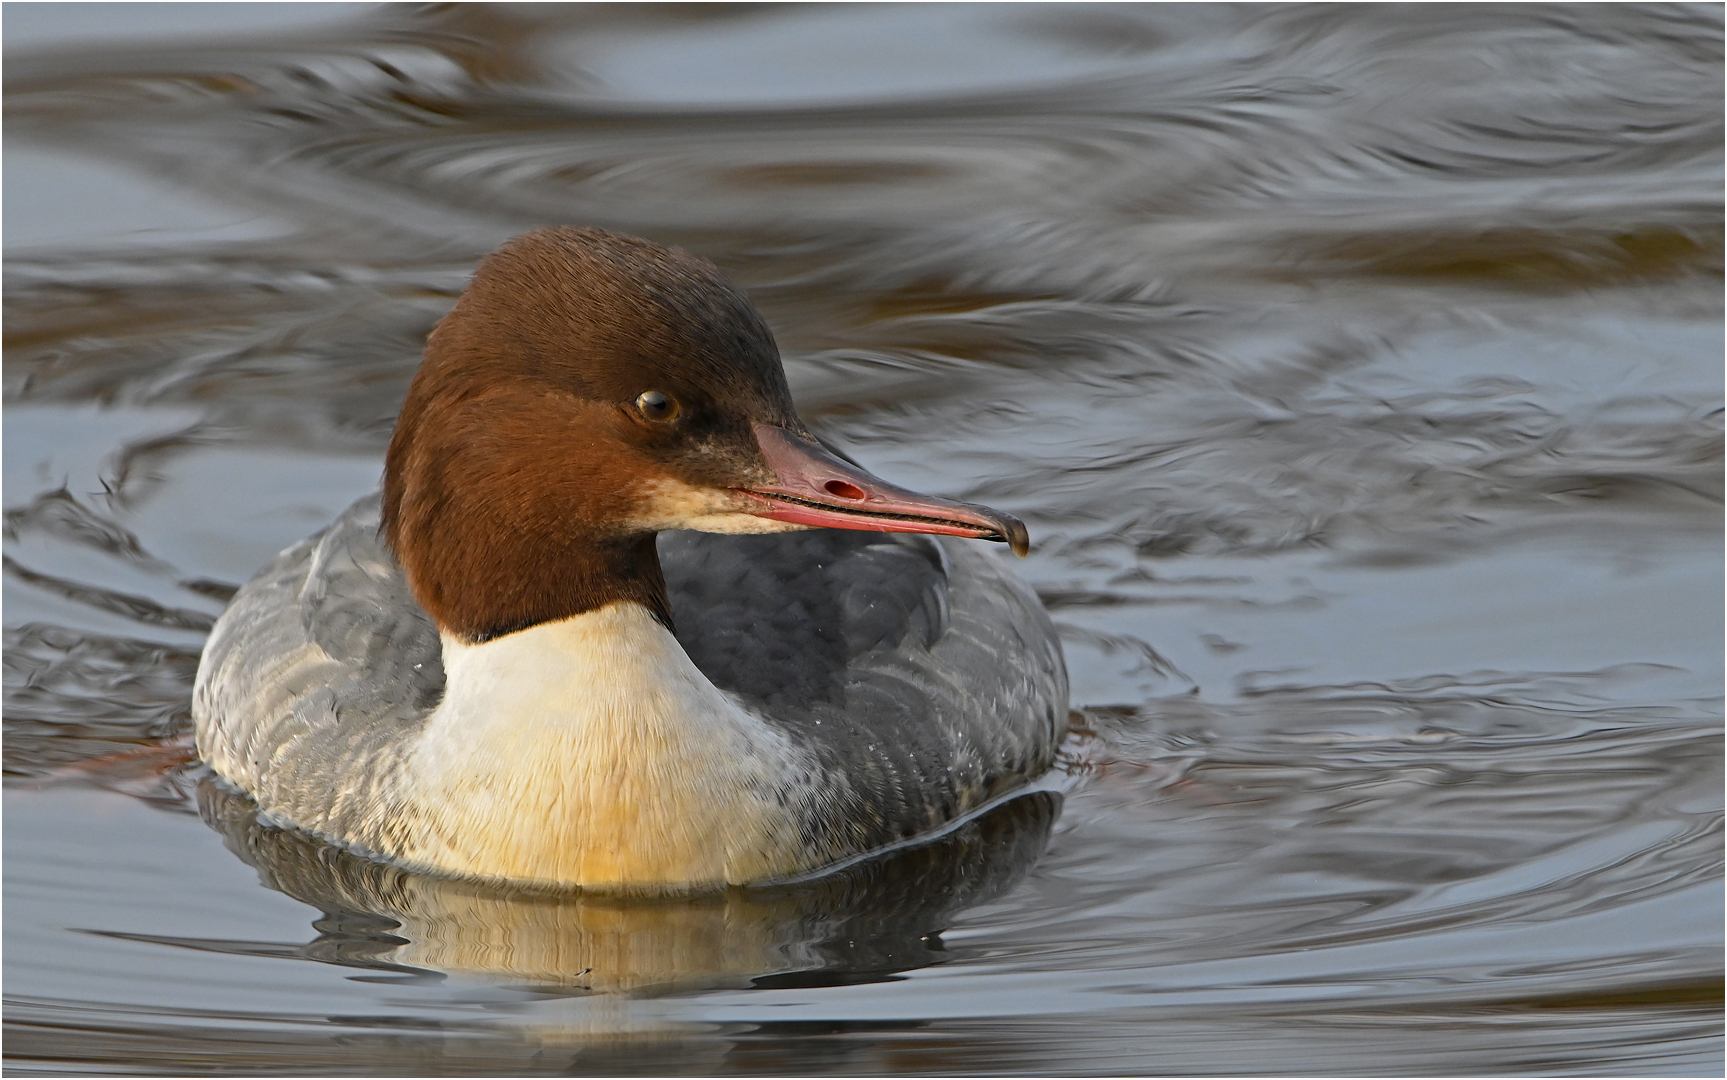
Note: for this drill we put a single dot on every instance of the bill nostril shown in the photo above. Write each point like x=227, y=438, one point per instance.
x=840, y=489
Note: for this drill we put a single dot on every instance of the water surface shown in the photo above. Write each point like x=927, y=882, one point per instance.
x=1356, y=368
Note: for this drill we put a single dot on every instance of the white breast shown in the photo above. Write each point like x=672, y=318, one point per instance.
x=592, y=751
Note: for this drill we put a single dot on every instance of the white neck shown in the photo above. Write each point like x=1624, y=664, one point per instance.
x=591, y=751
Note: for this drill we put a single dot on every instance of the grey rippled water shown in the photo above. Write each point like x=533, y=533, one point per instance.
x=1356, y=367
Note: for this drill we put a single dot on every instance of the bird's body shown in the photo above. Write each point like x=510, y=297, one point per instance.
x=425, y=682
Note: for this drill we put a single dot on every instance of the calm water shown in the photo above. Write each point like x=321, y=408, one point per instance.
x=1357, y=370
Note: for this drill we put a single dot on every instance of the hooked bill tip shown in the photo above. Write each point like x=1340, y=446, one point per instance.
x=1014, y=535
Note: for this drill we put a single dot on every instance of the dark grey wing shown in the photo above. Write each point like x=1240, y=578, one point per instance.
x=778, y=619
x=322, y=666
x=921, y=672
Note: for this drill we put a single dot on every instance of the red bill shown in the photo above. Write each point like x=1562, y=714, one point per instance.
x=816, y=488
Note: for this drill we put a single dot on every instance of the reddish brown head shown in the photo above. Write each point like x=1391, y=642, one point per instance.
x=587, y=391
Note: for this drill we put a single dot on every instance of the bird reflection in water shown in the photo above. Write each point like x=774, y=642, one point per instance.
x=861, y=923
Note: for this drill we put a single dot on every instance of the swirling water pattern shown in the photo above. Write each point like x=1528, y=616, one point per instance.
x=1356, y=367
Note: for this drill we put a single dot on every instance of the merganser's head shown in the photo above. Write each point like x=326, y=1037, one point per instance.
x=586, y=392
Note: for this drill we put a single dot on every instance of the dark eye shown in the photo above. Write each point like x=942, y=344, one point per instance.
x=657, y=406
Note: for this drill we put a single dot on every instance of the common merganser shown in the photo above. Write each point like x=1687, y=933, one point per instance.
x=476, y=671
